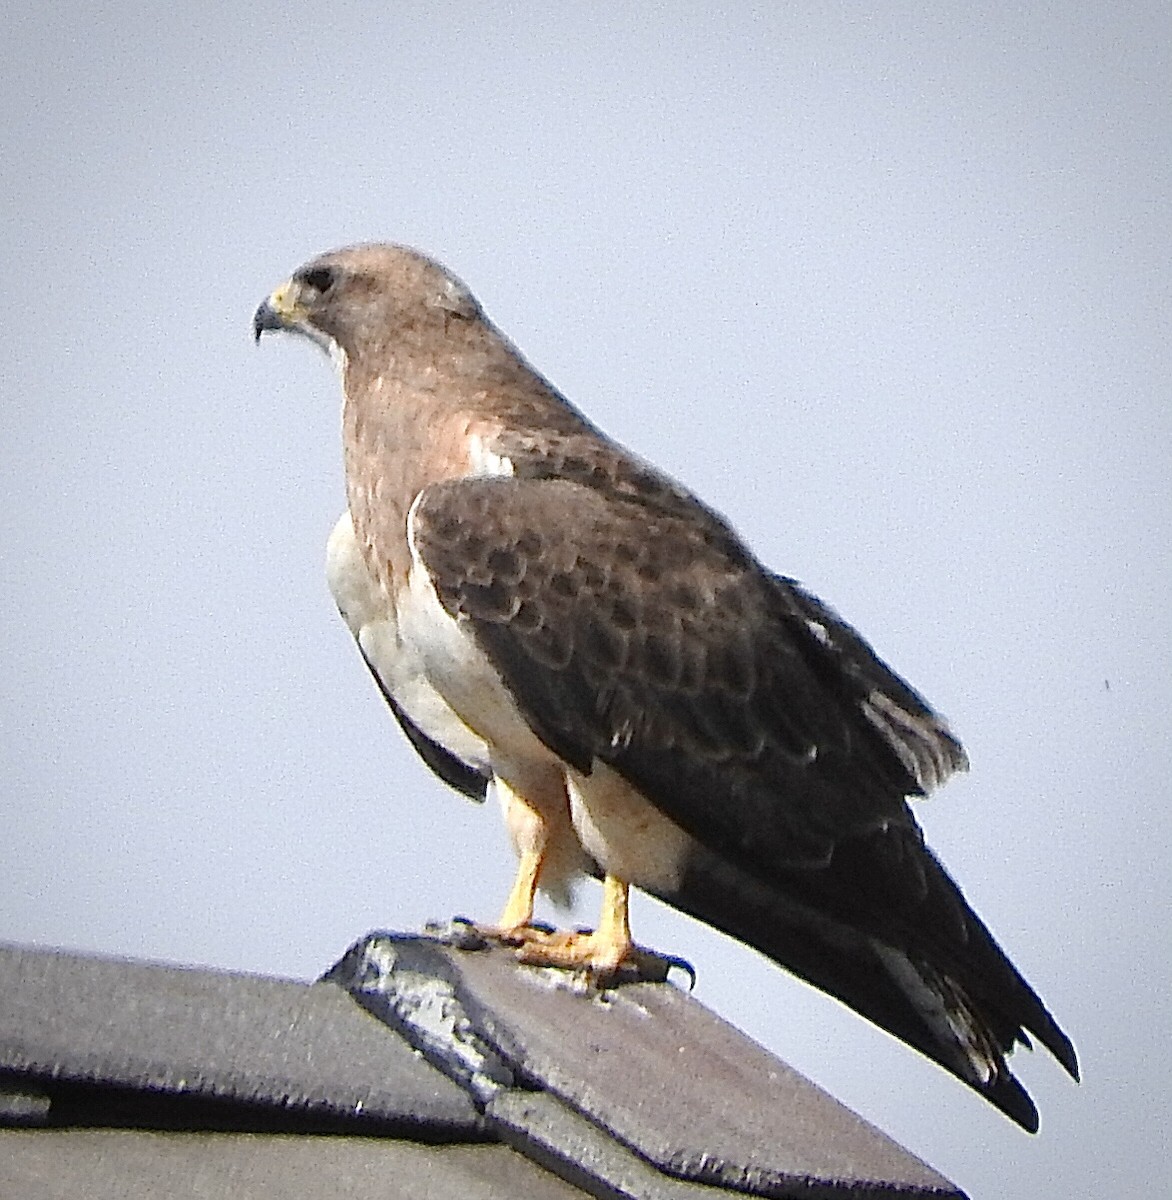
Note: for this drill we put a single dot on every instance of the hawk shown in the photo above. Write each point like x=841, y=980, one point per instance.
x=552, y=619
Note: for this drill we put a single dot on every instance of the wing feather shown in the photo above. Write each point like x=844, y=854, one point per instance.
x=755, y=718
x=644, y=635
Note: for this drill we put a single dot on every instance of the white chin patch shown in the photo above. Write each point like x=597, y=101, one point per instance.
x=324, y=342
x=337, y=356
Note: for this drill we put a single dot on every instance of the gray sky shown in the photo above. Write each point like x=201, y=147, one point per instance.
x=887, y=284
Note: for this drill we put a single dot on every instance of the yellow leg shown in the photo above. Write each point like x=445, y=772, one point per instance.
x=518, y=910
x=600, y=952
x=612, y=939
x=607, y=954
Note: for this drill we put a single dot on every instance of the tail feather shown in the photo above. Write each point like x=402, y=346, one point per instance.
x=920, y=964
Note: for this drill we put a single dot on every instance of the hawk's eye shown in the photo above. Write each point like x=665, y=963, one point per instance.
x=321, y=279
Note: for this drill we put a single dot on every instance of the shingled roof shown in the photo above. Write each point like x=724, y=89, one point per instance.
x=417, y=1067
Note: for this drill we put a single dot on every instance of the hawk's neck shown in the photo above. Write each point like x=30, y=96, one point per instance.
x=414, y=424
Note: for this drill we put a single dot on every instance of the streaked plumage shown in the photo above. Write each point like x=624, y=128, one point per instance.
x=545, y=611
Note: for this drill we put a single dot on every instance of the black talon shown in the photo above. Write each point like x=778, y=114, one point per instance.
x=460, y=933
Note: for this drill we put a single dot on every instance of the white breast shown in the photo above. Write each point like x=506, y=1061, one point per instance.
x=371, y=618
x=460, y=670
x=624, y=833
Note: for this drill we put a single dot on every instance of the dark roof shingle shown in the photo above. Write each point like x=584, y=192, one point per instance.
x=464, y=1061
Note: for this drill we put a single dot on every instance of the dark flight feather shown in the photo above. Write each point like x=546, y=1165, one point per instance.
x=759, y=721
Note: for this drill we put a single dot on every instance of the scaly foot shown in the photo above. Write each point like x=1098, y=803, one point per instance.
x=603, y=960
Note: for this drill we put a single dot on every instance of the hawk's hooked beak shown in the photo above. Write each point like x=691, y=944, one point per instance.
x=280, y=311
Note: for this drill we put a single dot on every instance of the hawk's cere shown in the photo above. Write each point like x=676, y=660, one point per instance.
x=553, y=619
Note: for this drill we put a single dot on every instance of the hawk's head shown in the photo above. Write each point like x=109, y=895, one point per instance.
x=363, y=297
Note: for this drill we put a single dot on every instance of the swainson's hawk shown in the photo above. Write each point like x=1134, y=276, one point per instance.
x=552, y=618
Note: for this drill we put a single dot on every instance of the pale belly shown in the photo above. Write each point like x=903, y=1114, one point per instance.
x=607, y=820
